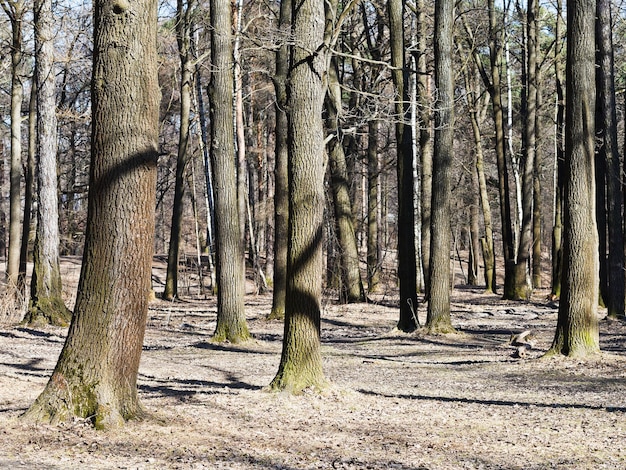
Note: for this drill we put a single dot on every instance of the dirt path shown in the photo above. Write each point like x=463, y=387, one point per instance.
x=395, y=401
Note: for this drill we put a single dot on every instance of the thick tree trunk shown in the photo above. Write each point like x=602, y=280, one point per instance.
x=407, y=262
x=301, y=362
x=281, y=199
x=231, y=320
x=96, y=374
x=438, y=313
x=183, y=31
x=577, y=326
x=46, y=292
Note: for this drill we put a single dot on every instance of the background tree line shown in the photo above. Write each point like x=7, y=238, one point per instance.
x=370, y=141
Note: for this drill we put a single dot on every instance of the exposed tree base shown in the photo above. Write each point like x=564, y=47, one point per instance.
x=407, y=327
x=62, y=401
x=232, y=335
x=296, y=383
x=438, y=329
x=582, y=347
x=48, y=311
x=276, y=314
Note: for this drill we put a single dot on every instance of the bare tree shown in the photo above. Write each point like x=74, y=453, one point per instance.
x=183, y=39
x=46, y=290
x=577, y=326
x=438, y=314
x=15, y=10
x=301, y=361
x=96, y=374
x=231, y=320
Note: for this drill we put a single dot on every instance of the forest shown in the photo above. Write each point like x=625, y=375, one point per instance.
x=313, y=234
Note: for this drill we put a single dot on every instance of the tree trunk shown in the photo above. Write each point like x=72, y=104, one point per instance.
x=609, y=153
x=46, y=292
x=96, y=374
x=487, y=244
x=183, y=31
x=407, y=262
x=281, y=199
x=231, y=320
x=301, y=361
x=438, y=313
x=537, y=208
x=29, y=188
x=559, y=170
x=15, y=11
x=351, y=285
x=577, y=325
x=425, y=137
x=373, y=181
x=240, y=137
x=494, y=87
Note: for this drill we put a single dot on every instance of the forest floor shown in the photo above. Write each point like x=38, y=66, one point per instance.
x=395, y=401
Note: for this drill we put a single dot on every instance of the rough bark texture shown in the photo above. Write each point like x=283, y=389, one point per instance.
x=577, y=327
x=407, y=266
x=96, y=374
x=231, y=320
x=281, y=197
x=438, y=314
x=301, y=362
x=46, y=290
x=609, y=153
x=183, y=27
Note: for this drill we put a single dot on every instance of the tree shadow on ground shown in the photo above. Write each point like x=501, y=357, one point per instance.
x=464, y=400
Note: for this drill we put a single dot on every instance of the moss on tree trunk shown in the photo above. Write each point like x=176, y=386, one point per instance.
x=96, y=374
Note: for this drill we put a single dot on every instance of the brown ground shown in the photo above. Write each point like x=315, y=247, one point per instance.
x=397, y=401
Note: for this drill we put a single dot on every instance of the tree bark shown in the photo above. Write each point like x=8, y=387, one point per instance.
x=351, y=284
x=559, y=177
x=15, y=11
x=46, y=290
x=301, y=361
x=231, y=320
x=183, y=31
x=96, y=374
x=609, y=153
x=438, y=313
x=29, y=187
x=407, y=262
x=373, y=182
x=577, y=325
x=281, y=199
x=424, y=105
x=494, y=87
